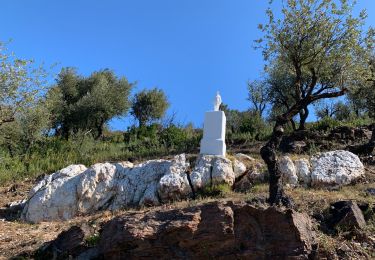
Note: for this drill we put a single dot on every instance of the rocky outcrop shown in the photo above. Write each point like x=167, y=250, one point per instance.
x=77, y=190
x=215, y=230
x=55, y=196
x=212, y=170
x=255, y=173
x=288, y=170
x=335, y=168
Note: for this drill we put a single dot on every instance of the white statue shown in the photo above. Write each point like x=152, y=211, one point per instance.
x=213, y=141
x=217, y=101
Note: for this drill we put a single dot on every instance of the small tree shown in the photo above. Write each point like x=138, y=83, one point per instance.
x=149, y=105
x=339, y=110
x=319, y=42
x=258, y=96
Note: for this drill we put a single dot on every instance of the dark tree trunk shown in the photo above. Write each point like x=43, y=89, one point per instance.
x=268, y=153
x=65, y=130
x=303, y=114
x=99, y=129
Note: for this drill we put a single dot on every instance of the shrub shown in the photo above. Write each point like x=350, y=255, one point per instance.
x=219, y=190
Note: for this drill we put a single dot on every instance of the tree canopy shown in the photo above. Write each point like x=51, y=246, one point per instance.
x=86, y=103
x=149, y=105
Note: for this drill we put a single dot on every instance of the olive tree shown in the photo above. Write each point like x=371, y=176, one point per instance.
x=149, y=105
x=325, y=50
x=87, y=103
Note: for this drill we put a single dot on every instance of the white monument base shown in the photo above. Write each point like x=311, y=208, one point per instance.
x=213, y=142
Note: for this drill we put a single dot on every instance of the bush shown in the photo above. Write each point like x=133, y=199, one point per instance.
x=325, y=124
x=328, y=123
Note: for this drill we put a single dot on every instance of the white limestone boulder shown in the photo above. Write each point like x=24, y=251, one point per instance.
x=335, y=168
x=77, y=190
x=175, y=185
x=55, y=196
x=288, y=170
x=303, y=171
x=212, y=169
x=222, y=171
x=96, y=188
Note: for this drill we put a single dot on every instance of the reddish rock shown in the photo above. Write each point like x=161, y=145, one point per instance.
x=214, y=230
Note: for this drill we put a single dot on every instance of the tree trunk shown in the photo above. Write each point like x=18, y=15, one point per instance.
x=99, y=129
x=303, y=114
x=268, y=153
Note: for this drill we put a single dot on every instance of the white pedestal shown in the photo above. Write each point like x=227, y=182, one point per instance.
x=213, y=141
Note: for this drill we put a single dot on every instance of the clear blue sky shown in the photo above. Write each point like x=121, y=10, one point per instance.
x=188, y=48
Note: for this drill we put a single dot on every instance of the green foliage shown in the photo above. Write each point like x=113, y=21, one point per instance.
x=245, y=125
x=31, y=125
x=93, y=240
x=168, y=139
x=54, y=153
x=216, y=191
x=363, y=98
x=325, y=124
x=149, y=105
x=255, y=126
x=329, y=123
x=20, y=84
x=319, y=63
x=86, y=104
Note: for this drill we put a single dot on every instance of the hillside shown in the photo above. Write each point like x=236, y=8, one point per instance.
x=24, y=240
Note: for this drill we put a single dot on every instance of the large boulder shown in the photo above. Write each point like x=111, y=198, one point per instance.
x=55, y=197
x=335, y=168
x=215, y=230
x=77, y=190
x=175, y=185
